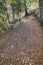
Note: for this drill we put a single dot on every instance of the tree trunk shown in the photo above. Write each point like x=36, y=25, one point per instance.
x=26, y=13
x=41, y=11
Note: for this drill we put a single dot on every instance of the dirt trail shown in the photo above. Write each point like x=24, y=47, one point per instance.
x=26, y=42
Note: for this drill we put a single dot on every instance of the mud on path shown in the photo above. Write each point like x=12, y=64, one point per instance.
x=26, y=44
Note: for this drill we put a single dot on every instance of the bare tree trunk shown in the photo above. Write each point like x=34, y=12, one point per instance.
x=26, y=13
x=6, y=12
x=41, y=11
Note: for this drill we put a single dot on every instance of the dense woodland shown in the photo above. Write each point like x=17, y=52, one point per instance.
x=11, y=10
x=21, y=32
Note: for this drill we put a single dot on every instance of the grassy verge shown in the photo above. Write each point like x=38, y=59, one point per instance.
x=4, y=41
x=42, y=29
x=38, y=21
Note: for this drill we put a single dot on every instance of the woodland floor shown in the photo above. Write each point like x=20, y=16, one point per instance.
x=25, y=46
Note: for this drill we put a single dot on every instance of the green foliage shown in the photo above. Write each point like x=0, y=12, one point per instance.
x=3, y=23
x=20, y=8
x=12, y=1
x=3, y=18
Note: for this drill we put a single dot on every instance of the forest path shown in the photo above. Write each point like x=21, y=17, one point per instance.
x=26, y=42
